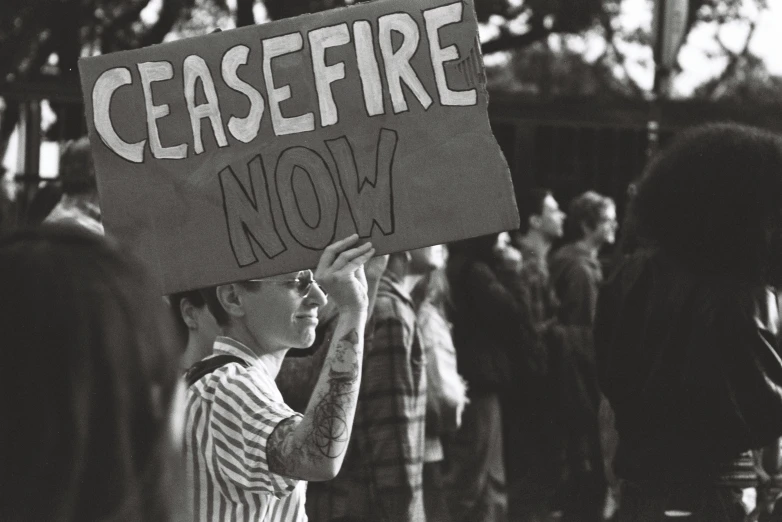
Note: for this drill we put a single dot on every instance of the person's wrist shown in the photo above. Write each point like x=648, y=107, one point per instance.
x=355, y=311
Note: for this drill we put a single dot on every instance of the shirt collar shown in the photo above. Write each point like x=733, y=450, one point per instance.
x=578, y=248
x=391, y=283
x=228, y=346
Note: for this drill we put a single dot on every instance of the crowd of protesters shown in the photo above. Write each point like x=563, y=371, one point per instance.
x=513, y=377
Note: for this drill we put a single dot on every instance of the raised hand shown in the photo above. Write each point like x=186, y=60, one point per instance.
x=340, y=272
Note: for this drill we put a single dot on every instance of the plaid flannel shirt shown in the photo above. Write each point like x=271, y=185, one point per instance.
x=381, y=477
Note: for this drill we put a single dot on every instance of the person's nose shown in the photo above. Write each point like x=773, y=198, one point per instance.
x=317, y=296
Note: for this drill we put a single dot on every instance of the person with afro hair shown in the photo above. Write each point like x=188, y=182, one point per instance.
x=686, y=331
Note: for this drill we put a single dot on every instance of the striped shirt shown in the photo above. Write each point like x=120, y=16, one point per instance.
x=230, y=415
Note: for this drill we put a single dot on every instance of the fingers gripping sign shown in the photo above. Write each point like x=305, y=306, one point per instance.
x=341, y=272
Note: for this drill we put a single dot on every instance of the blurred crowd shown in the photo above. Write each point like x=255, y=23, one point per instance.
x=522, y=376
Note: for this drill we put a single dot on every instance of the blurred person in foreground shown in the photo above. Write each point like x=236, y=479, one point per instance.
x=576, y=275
x=494, y=340
x=686, y=332
x=382, y=478
x=90, y=377
x=446, y=390
x=249, y=456
x=196, y=325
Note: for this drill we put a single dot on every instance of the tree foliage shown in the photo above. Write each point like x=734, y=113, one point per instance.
x=43, y=39
x=554, y=66
x=33, y=31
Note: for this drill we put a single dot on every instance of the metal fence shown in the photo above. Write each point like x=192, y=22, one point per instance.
x=574, y=146
x=567, y=146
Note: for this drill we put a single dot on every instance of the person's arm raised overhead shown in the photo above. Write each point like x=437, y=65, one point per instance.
x=313, y=447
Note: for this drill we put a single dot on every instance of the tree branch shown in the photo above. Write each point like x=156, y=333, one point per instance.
x=244, y=13
x=169, y=14
x=709, y=88
x=509, y=41
x=128, y=15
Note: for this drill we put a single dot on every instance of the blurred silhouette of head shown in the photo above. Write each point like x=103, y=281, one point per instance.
x=77, y=170
x=89, y=374
x=591, y=216
x=713, y=200
x=540, y=212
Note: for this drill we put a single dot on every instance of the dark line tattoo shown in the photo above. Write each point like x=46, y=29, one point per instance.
x=330, y=429
x=330, y=422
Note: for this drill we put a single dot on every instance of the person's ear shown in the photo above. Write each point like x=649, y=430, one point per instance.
x=187, y=310
x=586, y=231
x=230, y=298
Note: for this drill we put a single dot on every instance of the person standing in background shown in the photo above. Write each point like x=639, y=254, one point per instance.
x=446, y=391
x=79, y=201
x=541, y=225
x=576, y=272
x=576, y=275
x=536, y=462
x=494, y=338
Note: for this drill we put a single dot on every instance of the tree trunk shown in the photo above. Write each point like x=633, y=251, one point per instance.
x=244, y=13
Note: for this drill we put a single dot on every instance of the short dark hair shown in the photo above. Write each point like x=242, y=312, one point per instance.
x=713, y=200
x=215, y=307
x=194, y=297
x=585, y=210
x=531, y=204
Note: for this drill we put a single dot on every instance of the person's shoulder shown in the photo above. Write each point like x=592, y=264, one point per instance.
x=569, y=262
x=569, y=253
x=392, y=313
x=238, y=382
x=389, y=303
x=534, y=271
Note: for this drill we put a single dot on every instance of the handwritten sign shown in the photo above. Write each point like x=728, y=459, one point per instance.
x=244, y=153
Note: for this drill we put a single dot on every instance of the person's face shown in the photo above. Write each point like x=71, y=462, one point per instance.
x=551, y=219
x=278, y=316
x=424, y=260
x=605, y=230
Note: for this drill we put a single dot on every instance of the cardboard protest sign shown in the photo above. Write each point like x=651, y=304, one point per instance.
x=244, y=153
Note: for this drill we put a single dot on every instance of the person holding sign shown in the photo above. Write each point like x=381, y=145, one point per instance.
x=248, y=454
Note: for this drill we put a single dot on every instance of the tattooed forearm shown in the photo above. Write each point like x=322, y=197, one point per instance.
x=328, y=419
x=330, y=428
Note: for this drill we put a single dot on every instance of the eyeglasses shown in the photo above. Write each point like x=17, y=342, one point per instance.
x=303, y=282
